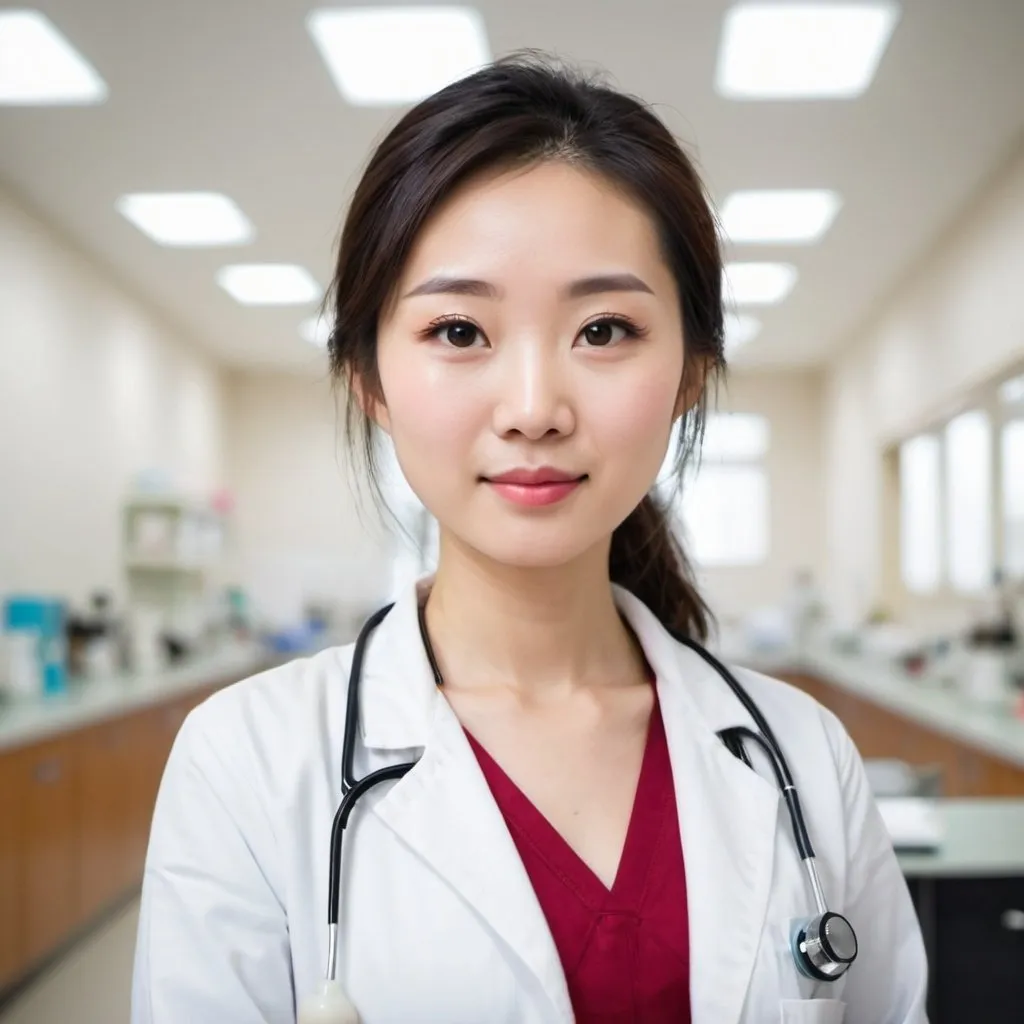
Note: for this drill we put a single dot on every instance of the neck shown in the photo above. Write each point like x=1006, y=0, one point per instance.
x=533, y=630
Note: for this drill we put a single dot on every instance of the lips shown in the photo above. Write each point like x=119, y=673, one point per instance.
x=536, y=477
x=535, y=488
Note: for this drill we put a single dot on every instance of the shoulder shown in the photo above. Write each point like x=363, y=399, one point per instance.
x=277, y=697
x=798, y=720
x=268, y=726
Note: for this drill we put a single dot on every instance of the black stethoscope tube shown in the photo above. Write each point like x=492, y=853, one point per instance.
x=815, y=956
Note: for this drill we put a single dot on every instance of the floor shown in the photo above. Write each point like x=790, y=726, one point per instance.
x=90, y=985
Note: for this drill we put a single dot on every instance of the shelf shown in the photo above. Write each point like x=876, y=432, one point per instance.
x=144, y=563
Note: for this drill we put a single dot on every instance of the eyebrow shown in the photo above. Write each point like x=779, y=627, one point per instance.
x=597, y=285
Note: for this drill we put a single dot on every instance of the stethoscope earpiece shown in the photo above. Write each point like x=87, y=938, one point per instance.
x=329, y=1006
x=825, y=946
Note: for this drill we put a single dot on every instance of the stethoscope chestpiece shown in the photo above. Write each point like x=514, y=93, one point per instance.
x=329, y=1006
x=825, y=946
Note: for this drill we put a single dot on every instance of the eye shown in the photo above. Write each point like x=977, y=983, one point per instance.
x=456, y=332
x=609, y=331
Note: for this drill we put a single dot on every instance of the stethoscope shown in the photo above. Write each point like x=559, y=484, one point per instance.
x=823, y=945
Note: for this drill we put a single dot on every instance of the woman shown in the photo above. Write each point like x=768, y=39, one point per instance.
x=528, y=301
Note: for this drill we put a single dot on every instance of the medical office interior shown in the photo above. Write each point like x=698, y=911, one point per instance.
x=178, y=511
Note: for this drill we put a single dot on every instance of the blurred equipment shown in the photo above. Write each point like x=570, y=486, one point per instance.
x=35, y=646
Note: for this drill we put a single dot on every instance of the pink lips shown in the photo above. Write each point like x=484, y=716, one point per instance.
x=535, y=487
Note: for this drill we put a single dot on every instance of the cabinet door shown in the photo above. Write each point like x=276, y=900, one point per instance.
x=50, y=876
x=12, y=924
x=157, y=736
x=977, y=974
x=104, y=785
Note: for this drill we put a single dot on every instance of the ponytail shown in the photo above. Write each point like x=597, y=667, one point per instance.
x=648, y=561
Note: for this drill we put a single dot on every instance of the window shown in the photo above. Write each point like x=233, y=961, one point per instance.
x=722, y=512
x=969, y=501
x=1013, y=497
x=920, y=525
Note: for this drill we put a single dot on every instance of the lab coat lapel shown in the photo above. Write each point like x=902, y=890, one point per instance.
x=728, y=816
x=443, y=808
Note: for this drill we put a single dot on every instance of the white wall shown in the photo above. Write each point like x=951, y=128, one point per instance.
x=791, y=402
x=296, y=531
x=956, y=323
x=93, y=389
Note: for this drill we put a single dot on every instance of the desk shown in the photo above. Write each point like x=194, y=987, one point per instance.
x=969, y=896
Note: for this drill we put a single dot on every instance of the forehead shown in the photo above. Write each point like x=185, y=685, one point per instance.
x=549, y=218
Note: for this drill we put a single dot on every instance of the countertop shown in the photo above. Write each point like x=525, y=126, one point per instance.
x=994, y=730
x=982, y=837
x=92, y=701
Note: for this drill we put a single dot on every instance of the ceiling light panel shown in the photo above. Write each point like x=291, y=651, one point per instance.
x=802, y=51
x=269, y=284
x=39, y=67
x=187, y=218
x=779, y=216
x=757, y=284
x=390, y=56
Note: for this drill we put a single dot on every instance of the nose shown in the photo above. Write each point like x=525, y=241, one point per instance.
x=533, y=392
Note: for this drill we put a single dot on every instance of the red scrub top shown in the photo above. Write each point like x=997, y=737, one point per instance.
x=625, y=951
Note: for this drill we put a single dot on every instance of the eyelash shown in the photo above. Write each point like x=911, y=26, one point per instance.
x=633, y=330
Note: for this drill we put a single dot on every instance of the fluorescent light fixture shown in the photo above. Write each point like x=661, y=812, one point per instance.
x=780, y=215
x=757, y=284
x=39, y=67
x=389, y=56
x=802, y=51
x=269, y=284
x=316, y=330
x=740, y=328
x=187, y=218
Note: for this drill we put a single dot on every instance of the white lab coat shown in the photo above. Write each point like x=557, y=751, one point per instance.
x=439, y=922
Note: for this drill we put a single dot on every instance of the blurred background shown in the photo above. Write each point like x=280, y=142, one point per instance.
x=177, y=508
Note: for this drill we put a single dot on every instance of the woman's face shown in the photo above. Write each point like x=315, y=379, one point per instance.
x=536, y=332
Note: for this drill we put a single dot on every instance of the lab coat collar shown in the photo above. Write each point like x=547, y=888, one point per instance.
x=727, y=813
x=397, y=692
x=728, y=816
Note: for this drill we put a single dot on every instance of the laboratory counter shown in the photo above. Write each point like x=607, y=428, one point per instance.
x=977, y=750
x=79, y=775
x=969, y=897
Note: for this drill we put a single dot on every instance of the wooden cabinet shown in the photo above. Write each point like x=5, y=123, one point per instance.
x=49, y=876
x=880, y=733
x=12, y=954
x=105, y=780
x=75, y=815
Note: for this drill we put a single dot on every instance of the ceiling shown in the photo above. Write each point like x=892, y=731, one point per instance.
x=231, y=96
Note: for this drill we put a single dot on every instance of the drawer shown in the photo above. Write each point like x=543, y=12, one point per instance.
x=978, y=956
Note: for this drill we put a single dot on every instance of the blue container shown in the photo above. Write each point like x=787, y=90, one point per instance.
x=44, y=618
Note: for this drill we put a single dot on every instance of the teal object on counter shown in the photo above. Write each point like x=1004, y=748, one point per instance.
x=44, y=618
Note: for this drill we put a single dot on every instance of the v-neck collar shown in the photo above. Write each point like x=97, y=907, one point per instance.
x=646, y=820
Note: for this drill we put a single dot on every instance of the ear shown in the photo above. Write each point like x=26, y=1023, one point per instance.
x=691, y=386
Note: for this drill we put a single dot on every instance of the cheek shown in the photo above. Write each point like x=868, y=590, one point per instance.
x=634, y=421
x=428, y=415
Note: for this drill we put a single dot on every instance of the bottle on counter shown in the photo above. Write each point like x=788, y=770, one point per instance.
x=35, y=645
x=991, y=646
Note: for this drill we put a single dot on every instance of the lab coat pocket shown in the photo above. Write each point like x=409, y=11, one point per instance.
x=812, y=1011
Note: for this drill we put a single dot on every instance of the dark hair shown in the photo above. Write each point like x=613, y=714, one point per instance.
x=521, y=110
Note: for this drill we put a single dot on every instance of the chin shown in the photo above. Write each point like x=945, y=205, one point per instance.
x=532, y=548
